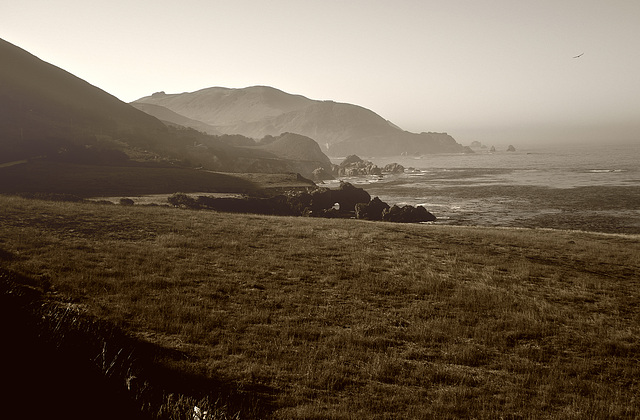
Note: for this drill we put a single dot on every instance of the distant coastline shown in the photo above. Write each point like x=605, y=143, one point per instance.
x=592, y=188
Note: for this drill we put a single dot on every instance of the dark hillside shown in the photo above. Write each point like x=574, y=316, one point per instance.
x=44, y=108
x=46, y=112
x=296, y=147
x=43, y=177
x=66, y=383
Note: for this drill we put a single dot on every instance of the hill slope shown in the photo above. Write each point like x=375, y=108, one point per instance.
x=168, y=116
x=295, y=146
x=48, y=112
x=339, y=128
x=44, y=108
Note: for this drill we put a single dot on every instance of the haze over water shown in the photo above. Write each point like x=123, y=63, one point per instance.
x=552, y=166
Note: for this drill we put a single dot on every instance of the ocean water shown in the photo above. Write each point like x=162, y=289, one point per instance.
x=583, y=187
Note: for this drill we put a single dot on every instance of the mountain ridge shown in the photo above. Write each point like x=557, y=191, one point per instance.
x=213, y=104
x=339, y=128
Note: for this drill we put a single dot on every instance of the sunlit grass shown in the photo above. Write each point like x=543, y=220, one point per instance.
x=354, y=319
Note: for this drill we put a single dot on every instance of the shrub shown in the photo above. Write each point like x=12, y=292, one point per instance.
x=182, y=200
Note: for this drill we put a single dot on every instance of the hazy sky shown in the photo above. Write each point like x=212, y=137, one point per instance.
x=498, y=71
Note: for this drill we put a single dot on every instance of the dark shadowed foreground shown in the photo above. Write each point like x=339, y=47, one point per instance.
x=280, y=317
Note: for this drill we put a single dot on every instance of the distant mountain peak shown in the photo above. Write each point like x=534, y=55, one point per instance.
x=339, y=128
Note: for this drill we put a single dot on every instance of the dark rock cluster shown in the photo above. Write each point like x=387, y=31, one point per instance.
x=407, y=214
x=345, y=201
x=377, y=209
x=393, y=168
x=353, y=165
x=372, y=210
x=311, y=203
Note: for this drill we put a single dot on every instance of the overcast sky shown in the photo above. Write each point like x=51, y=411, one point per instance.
x=498, y=71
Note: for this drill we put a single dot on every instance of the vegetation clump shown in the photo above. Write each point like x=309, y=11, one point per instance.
x=182, y=200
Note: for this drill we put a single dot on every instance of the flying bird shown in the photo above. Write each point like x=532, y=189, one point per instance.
x=579, y=55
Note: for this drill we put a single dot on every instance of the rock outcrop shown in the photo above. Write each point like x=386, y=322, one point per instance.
x=353, y=165
x=407, y=214
x=347, y=196
x=372, y=210
x=319, y=202
x=393, y=168
x=316, y=202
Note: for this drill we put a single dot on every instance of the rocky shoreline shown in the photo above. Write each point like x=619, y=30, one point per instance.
x=354, y=166
x=601, y=209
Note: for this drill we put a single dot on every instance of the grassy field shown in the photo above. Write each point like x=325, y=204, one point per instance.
x=301, y=318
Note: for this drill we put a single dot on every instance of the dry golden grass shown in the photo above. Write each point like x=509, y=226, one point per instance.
x=350, y=319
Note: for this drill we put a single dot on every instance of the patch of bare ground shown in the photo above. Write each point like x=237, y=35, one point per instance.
x=350, y=319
